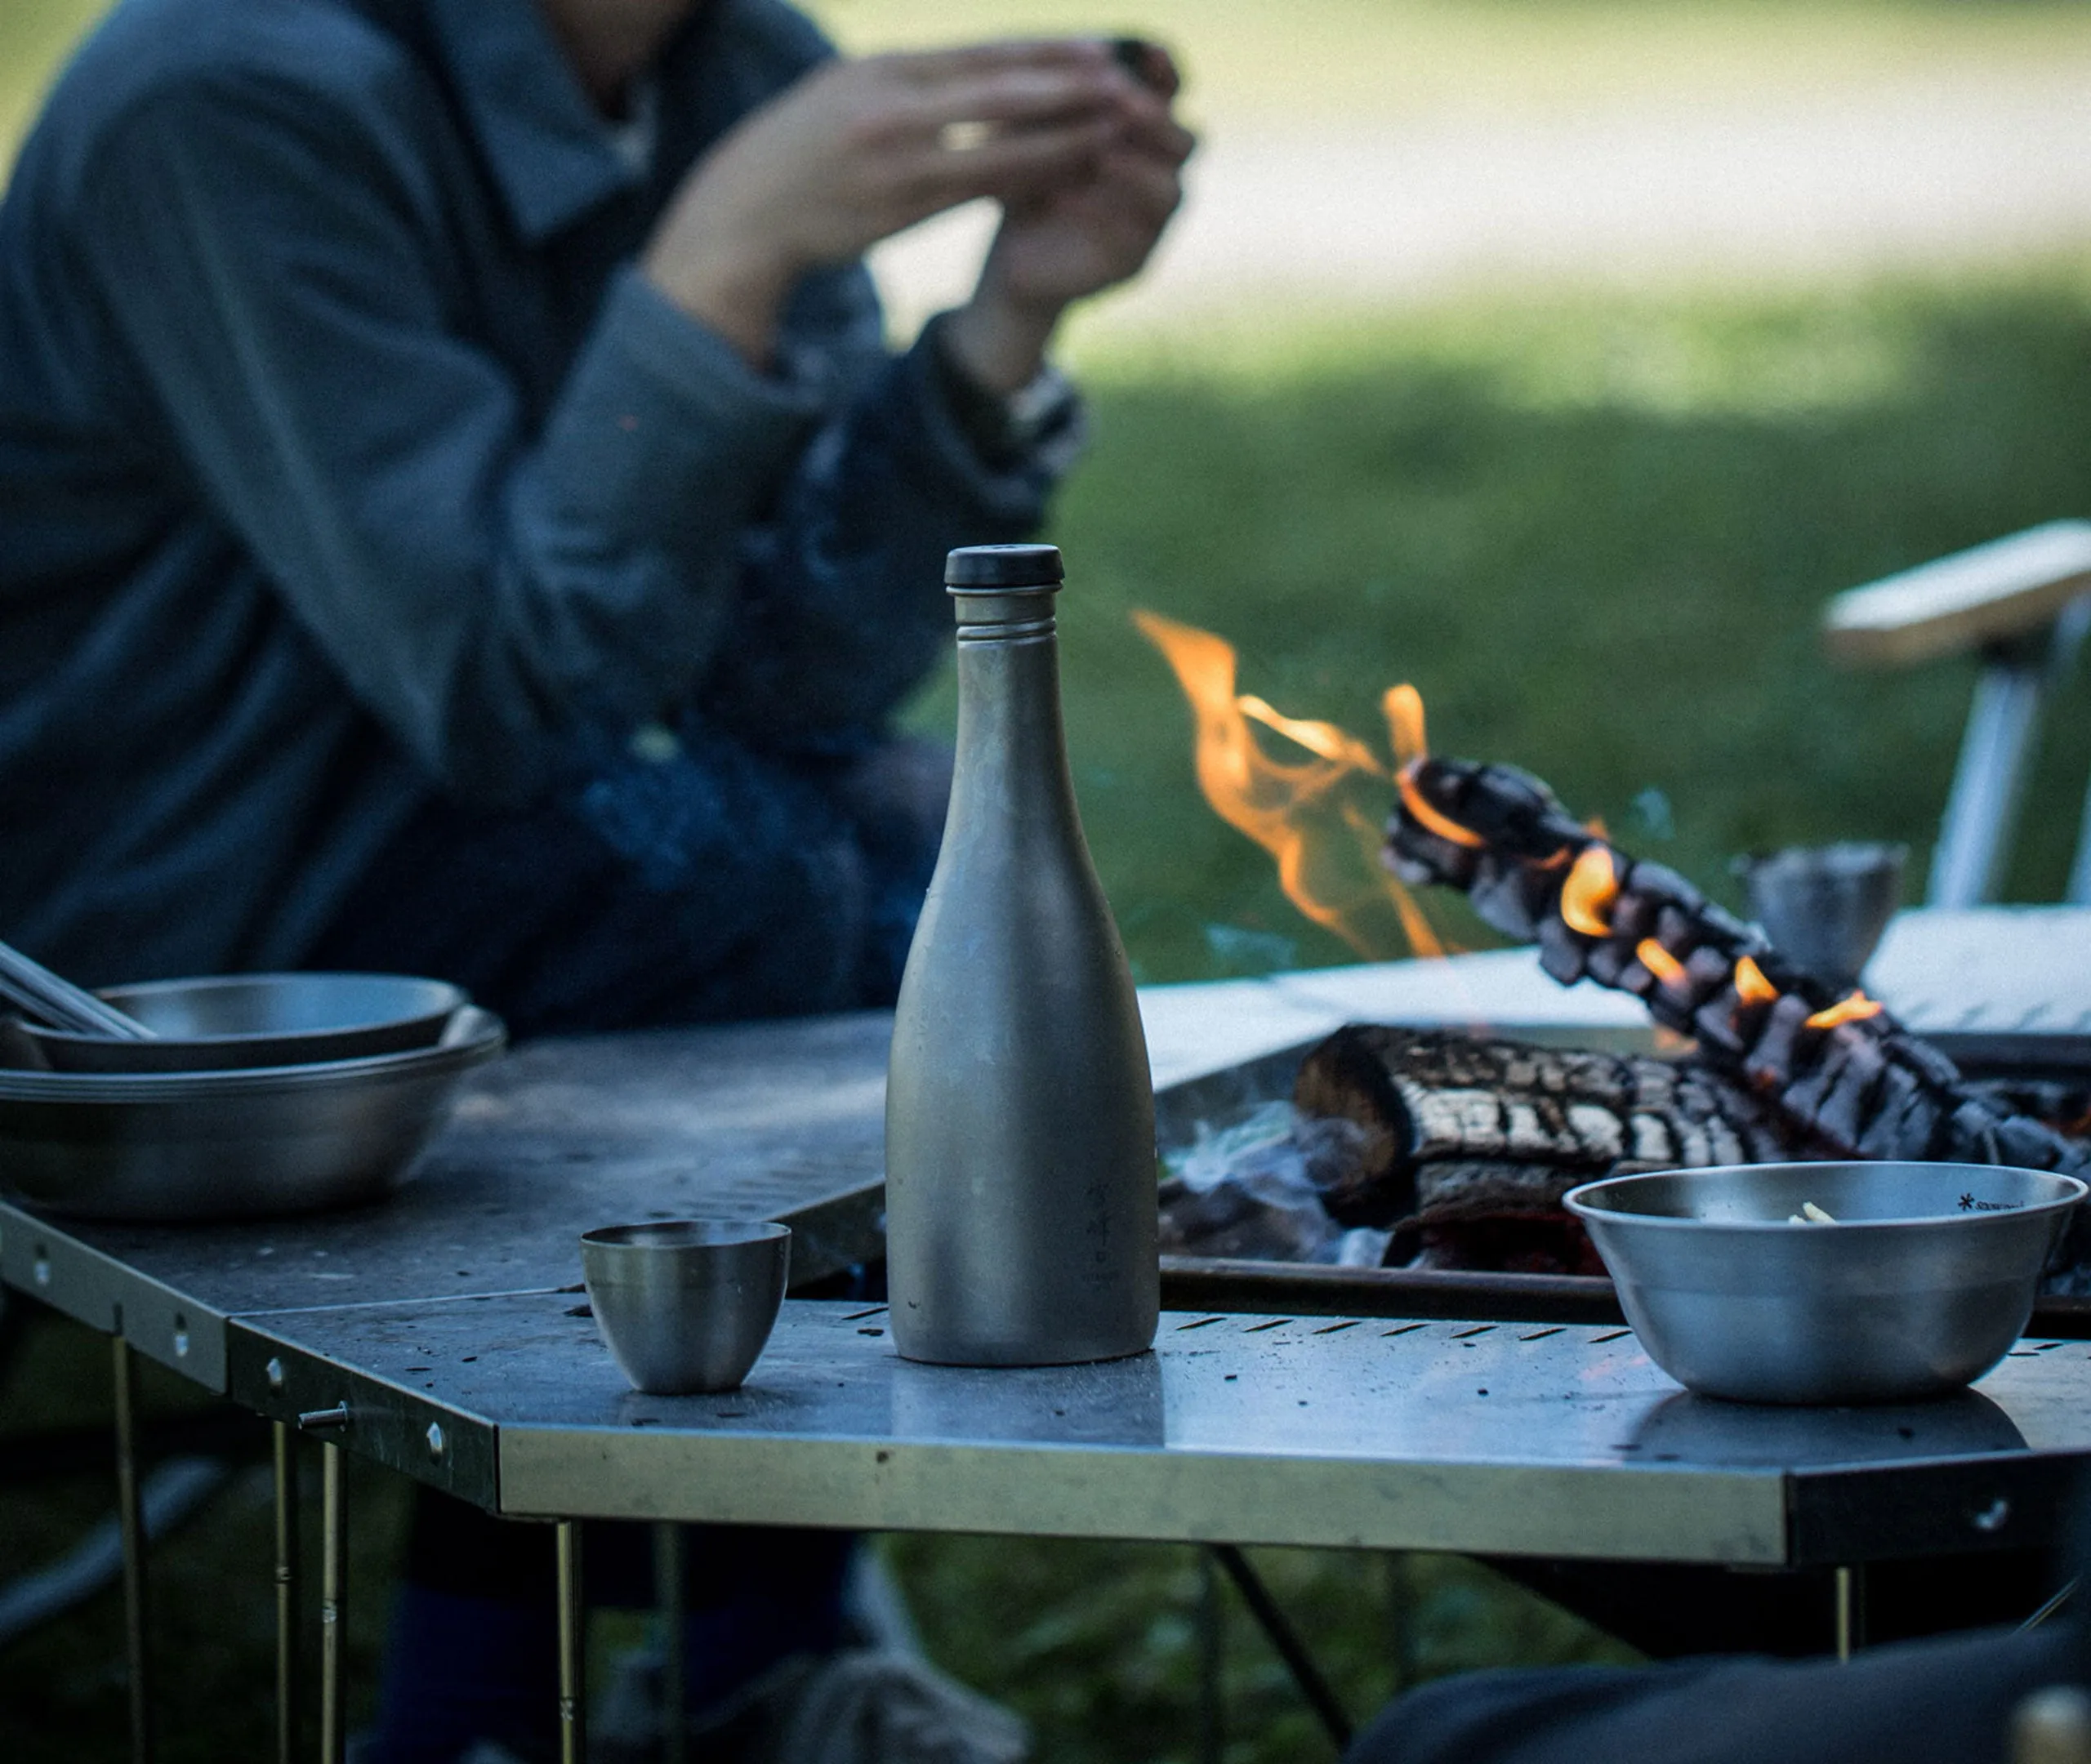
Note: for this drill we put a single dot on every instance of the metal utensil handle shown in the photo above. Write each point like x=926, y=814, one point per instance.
x=31, y=987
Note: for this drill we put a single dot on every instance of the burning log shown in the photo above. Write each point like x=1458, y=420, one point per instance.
x=1838, y=1067
x=1422, y=1098
x=1466, y=1145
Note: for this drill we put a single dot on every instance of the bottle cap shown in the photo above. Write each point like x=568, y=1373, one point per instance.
x=985, y=568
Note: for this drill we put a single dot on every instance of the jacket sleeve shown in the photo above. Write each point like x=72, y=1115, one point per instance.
x=278, y=281
x=843, y=610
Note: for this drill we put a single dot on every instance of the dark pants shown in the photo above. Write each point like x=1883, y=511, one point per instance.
x=706, y=884
x=710, y=885
x=1667, y=1611
x=472, y=1653
x=1946, y=1701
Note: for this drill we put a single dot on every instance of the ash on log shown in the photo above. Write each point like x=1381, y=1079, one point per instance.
x=1466, y=1145
x=1425, y=1098
x=1838, y=1067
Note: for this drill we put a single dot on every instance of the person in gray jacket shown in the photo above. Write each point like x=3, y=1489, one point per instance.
x=458, y=511
x=459, y=515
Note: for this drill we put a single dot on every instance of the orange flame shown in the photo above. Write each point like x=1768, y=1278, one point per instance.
x=1750, y=985
x=1422, y=938
x=1404, y=707
x=1590, y=888
x=1659, y=962
x=1322, y=738
x=1855, y=1009
x=1328, y=850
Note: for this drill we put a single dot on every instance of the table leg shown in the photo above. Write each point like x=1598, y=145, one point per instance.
x=1290, y=1649
x=668, y=1545
x=287, y=1634
x=1212, y=1642
x=1850, y=1595
x=573, y=1639
x=1402, y=1607
x=333, y=1577
x=131, y=1523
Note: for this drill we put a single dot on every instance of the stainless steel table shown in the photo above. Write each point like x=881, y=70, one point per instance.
x=785, y=1119
x=431, y=1333
x=1490, y=1439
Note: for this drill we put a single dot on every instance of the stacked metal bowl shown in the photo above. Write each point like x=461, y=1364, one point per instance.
x=248, y=1096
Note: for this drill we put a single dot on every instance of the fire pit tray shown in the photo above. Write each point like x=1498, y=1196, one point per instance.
x=1223, y=1284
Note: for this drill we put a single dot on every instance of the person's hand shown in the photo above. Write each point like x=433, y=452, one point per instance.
x=1074, y=238
x=858, y=150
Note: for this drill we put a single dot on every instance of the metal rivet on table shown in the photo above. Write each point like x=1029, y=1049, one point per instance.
x=1992, y=1517
x=181, y=1336
x=42, y=1266
x=274, y=1371
x=435, y=1442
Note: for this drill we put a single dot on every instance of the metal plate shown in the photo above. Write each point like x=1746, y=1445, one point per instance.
x=1493, y=1439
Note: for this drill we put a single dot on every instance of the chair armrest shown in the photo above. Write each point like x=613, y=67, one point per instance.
x=2002, y=590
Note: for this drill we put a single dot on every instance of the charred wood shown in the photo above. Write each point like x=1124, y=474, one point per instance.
x=1430, y=1103
x=1841, y=1071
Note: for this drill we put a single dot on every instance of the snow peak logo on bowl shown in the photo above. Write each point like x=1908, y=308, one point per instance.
x=1969, y=1204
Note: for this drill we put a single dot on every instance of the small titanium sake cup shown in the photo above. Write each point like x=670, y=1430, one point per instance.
x=1826, y=906
x=686, y=1305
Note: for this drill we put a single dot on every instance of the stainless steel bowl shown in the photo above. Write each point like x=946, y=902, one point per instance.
x=1921, y=1285
x=239, y=1144
x=686, y=1305
x=256, y=1020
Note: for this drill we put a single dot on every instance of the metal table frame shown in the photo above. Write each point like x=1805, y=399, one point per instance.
x=782, y=1120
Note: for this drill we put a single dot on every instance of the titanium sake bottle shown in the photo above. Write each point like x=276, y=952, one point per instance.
x=1020, y=1115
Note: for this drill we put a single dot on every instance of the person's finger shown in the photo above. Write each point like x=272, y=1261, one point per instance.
x=1019, y=180
x=1019, y=100
x=1142, y=123
x=1160, y=135
x=1168, y=77
x=1126, y=201
x=1120, y=165
x=1148, y=168
x=1150, y=64
x=998, y=164
x=938, y=67
x=935, y=176
x=1139, y=184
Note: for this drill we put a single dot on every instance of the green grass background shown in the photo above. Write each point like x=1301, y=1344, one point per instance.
x=1596, y=532
x=1595, y=528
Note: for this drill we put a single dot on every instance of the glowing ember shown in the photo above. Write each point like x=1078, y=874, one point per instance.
x=1658, y=960
x=1855, y=1009
x=1750, y=985
x=1327, y=848
x=1417, y=804
x=1590, y=888
x=1865, y=1087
